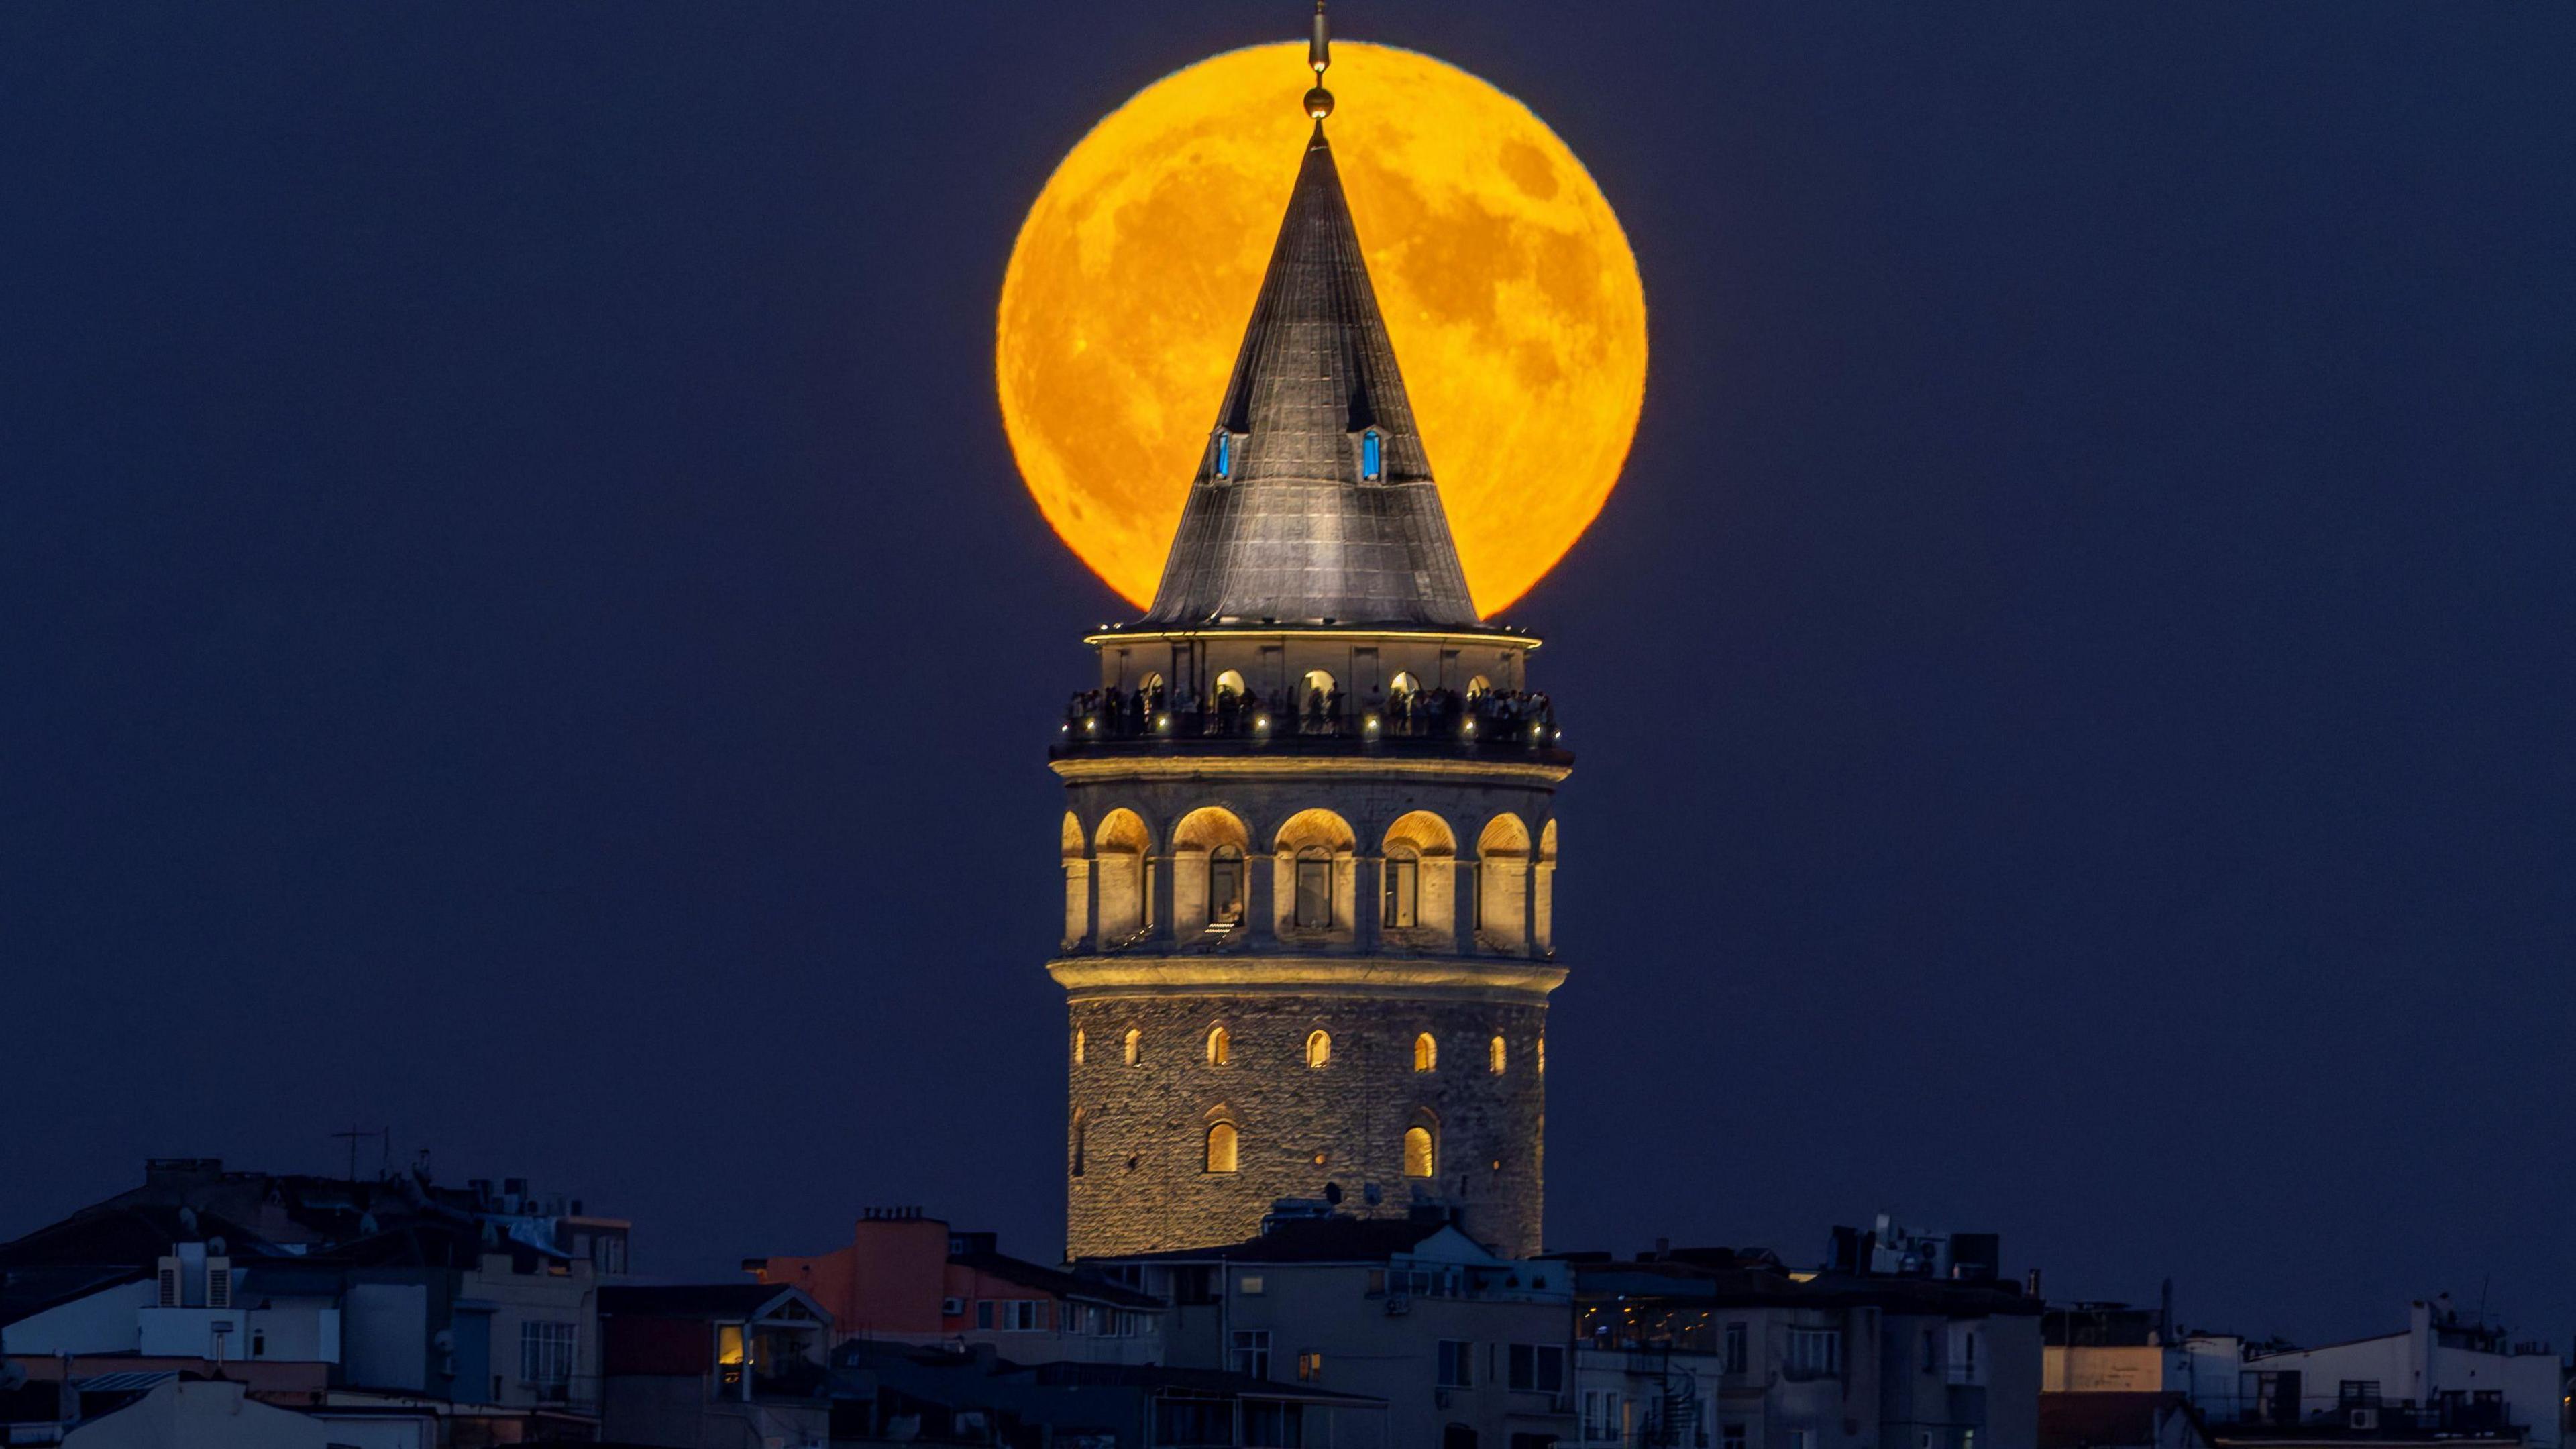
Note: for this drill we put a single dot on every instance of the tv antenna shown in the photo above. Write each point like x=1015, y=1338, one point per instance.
x=357, y=1134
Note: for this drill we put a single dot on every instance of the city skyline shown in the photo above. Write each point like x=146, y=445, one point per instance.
x=531, y=634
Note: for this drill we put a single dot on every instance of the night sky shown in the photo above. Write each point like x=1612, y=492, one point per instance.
x=521, y=625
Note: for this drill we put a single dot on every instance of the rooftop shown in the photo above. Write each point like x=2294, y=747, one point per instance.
x=1314, y=498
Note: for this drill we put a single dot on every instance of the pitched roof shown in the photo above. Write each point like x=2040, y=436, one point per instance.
x=1026, y=1274
x=1288, y=528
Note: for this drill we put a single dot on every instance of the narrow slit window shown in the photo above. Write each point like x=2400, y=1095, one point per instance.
x=1372, y=457
x=1224, y=454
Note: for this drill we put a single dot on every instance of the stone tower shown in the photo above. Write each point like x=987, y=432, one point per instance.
x=1309, y=841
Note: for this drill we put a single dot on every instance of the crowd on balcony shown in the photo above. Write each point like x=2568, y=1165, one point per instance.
x=1150, y=711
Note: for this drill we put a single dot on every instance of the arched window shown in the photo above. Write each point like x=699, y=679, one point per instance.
x=1372, y=457
x=1318, y=703
x=1314, y=872
x=1225, y=885
x=1421, y=877
x=1426, y=1053
x=1077, y=883
x=1135, y=1046
x=1121, y=847
x=1502, y=885
x=1079, y=1041
x=1221, y=1147
x=1421, y=1154
x=1314, y=888
x=1403, y=904
x=1403, y=684
x=1319, y=1048
x=1220, y=1048
x=1230, y=683
x=1479, y=687
x=1543, y=888
x=1494, y=1056
x=1081, y=1131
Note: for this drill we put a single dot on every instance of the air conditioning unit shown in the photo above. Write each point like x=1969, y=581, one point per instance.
x=2365, y=1418
x=952, y=1307
x=1397, y=1305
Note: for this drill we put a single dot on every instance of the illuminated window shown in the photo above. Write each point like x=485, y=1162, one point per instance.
x=1225, y=884
x=1121, y=848
x=1403, y=908
x=1542, y=1056
x=1224, y=454
x=1221, y=1147
x=1078, y=1041
x=1426, y=1053
x=1220, y=1048
x=1372, y=456
x=1319, y=1048
x=1418, y=1157
x=1314, y=888
x=1230, y=683
x=1135, y=1046
x=1479, y=687
x=1494, y=1056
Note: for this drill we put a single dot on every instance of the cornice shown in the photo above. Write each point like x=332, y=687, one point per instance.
x=1095, y=978
x=1302, y=767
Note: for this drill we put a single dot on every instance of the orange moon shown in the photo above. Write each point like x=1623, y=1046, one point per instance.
x=1507, y=284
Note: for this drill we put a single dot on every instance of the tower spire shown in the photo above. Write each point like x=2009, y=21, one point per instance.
x=1319, y=58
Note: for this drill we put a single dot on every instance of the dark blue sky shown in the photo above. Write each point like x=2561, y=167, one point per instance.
x=521, y=625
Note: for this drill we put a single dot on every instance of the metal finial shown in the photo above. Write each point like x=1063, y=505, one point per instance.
x=1319, y=56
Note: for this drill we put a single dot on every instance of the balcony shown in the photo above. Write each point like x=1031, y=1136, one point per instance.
x=2457, y=1417
x=1432, y=722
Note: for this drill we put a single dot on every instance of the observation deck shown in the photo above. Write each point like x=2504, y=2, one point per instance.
x=1515, y=728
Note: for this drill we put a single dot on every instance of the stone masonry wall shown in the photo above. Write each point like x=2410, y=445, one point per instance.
x=1144, y=1186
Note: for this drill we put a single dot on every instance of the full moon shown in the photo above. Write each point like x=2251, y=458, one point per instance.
x=1508, y=288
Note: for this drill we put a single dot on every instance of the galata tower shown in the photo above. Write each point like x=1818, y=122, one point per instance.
x=1309, y=840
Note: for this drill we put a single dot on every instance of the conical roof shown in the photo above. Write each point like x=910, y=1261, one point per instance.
x=1286, y=520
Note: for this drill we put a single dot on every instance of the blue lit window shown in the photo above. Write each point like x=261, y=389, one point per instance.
x=1370, y=462
x=1225, y=455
